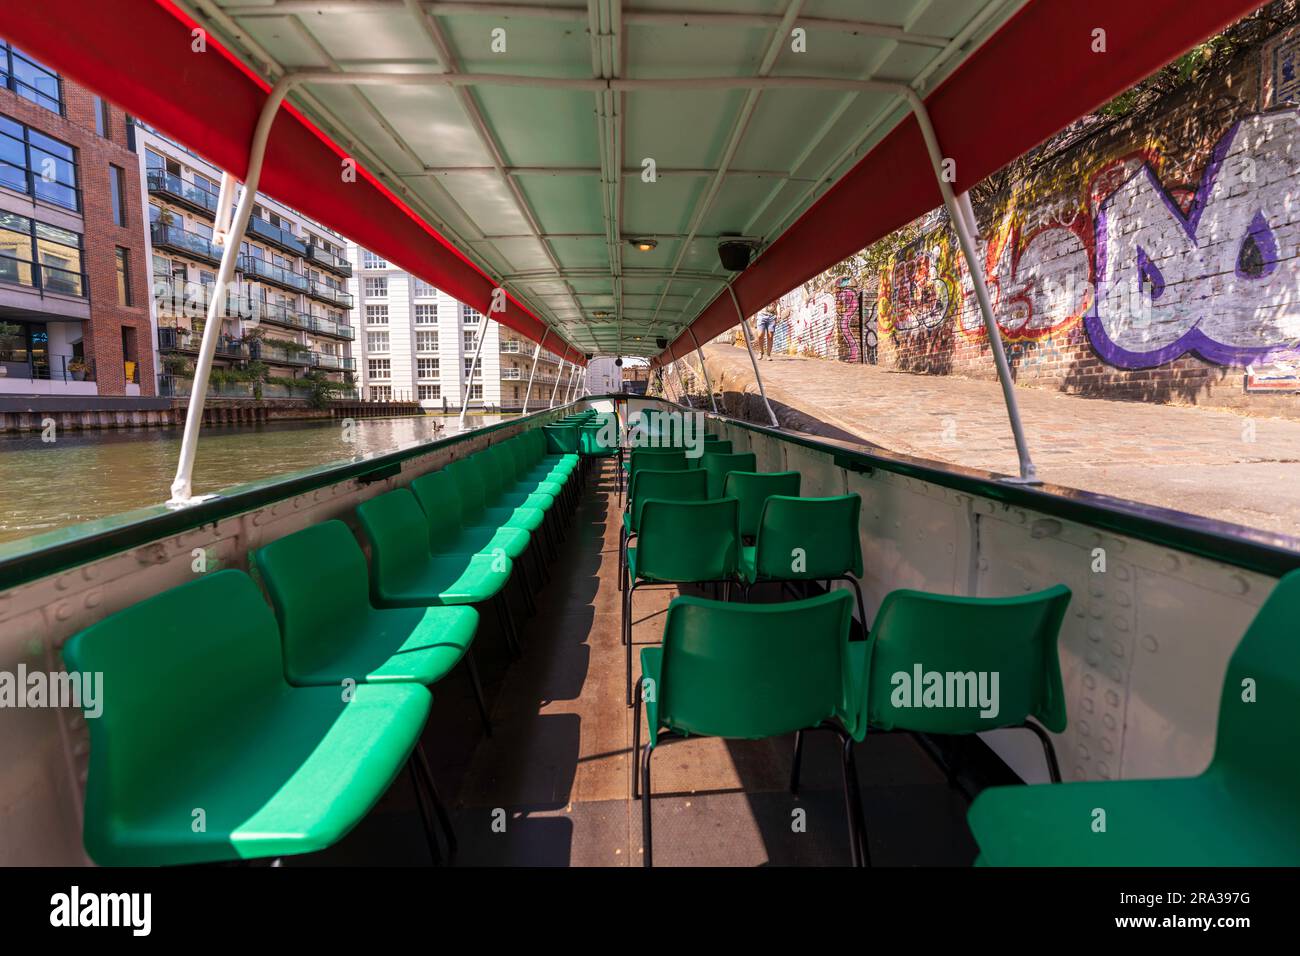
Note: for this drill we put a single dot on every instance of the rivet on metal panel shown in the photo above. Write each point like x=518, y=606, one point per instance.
x=1094, y=632
x=93, y=598
x=1103, y=771
x=1242, y=584
x=1096, y=609
x=90, y=572
x=1122, y=572
x=1112, y=699
x=61, y=583
x=1089, y=681
x=1092, y=656
x=1117, y=648
x=1149, y=642
x=1086, y=705
x=62, y=612
x=1121, y=623
x=1171, y=562
x=1106, y=746
x=257, y=518
x=1095, y=587
x=1079, y=774
x=1108, y=721
x=1045, y=528
x=1122, y=599
x=1083, y=752
x=1084, y=729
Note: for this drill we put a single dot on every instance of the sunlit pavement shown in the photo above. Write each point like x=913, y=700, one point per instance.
x=1221, y=464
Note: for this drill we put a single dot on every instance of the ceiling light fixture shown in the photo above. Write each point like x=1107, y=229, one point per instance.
x=644, y=245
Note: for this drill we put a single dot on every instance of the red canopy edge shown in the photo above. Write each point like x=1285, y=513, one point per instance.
x=139, y=55
x=1032, y=78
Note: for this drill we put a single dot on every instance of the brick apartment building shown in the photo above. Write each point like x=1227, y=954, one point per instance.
x=74, y=287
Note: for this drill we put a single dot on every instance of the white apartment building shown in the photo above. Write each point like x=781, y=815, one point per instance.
x=415, y=342
x=288, y=307
x=604, y=377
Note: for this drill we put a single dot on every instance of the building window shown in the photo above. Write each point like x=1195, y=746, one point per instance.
x=427, y=393
x=103, y=118
x=381, y=393
x=426, y=341
x=381, y=368
x=472, y=316
x=476, y=391
x=117, y=186
x=35, y=164
x=40, y=256
x=376, y=315
x=30, y=79
x=426, y=314
x=376, y=341
x=371, y=261
x=423, y=290
x=426, y=368
x=469, y=363
x=123, y=276
x=471, y=340
x=376, y=287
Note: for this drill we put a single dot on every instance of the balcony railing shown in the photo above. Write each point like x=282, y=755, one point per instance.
x=182, y=340
x=277, y=313
x=174, y=386
x=186, y=243
x=179, y=191
x=276, y=275
x=267, y=352
x=327, y=260
x=328, y=327
x=177, y=297
x=282, y=238
x=330, y=294
x=511, y=374
x=325, y=360
x=43, y=278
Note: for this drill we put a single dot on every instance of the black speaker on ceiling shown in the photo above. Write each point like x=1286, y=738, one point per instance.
x=734, y=255
x=618, y=363
x=662, y=343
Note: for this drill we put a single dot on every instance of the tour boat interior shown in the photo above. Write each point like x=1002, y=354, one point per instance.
x=620, y=630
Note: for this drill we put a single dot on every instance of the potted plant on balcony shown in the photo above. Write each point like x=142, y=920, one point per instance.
x=78, y=368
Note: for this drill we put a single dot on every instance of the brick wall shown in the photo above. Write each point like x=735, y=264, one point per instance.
x=1151, y=259
x=103, y=331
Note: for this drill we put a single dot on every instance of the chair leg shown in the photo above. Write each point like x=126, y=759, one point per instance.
x=438, y=806
x=796, y=762
x=636, y=735
x=529, y=607
x=647, y=858
x=426, y=818
x=471, y=668
x=853, y=804
x=1049, y=751
x=627, y=633
x=622, y=543
x=507, y=624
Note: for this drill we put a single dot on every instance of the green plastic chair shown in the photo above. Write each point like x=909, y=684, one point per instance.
x=198, y=716
x=680, y=542
x=440, y=500
x=709, y=447
x=330, y=633
x=1240, y=812
x=753, y=488
x=472, y=483
x=657, y=459
x=809, y=540
x=717, y=464
x=748, y=672
x=666, y=485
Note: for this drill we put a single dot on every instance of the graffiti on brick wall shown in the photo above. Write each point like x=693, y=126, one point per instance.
x=1152, y=272
x=823, y=324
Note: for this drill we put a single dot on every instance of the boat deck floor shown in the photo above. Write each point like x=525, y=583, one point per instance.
x=552, y=785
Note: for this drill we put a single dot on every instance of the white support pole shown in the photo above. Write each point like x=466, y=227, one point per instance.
x=962, y=216
x=753, y=361
x=573, y=379
x=559, y=377
x=182, y=485
x=703, y=370
x=473, y=365
x=528, y=393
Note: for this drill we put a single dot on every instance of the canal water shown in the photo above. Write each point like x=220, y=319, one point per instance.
x=95, y=474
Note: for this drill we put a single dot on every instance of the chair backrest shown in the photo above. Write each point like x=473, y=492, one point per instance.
x=717, y=464
x=561, y=439
x=498, y=469
x=952, y=665
x=316, y=578
x=439, y=498
x=755, y=670
x=658, y=459
x=1258, y=709
x=688, y=540
x=399, y=541
x=598, y=439
x=753, y=488
x=665, y=485
x=473, y=497
x=175, y=667
x=808, y=539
